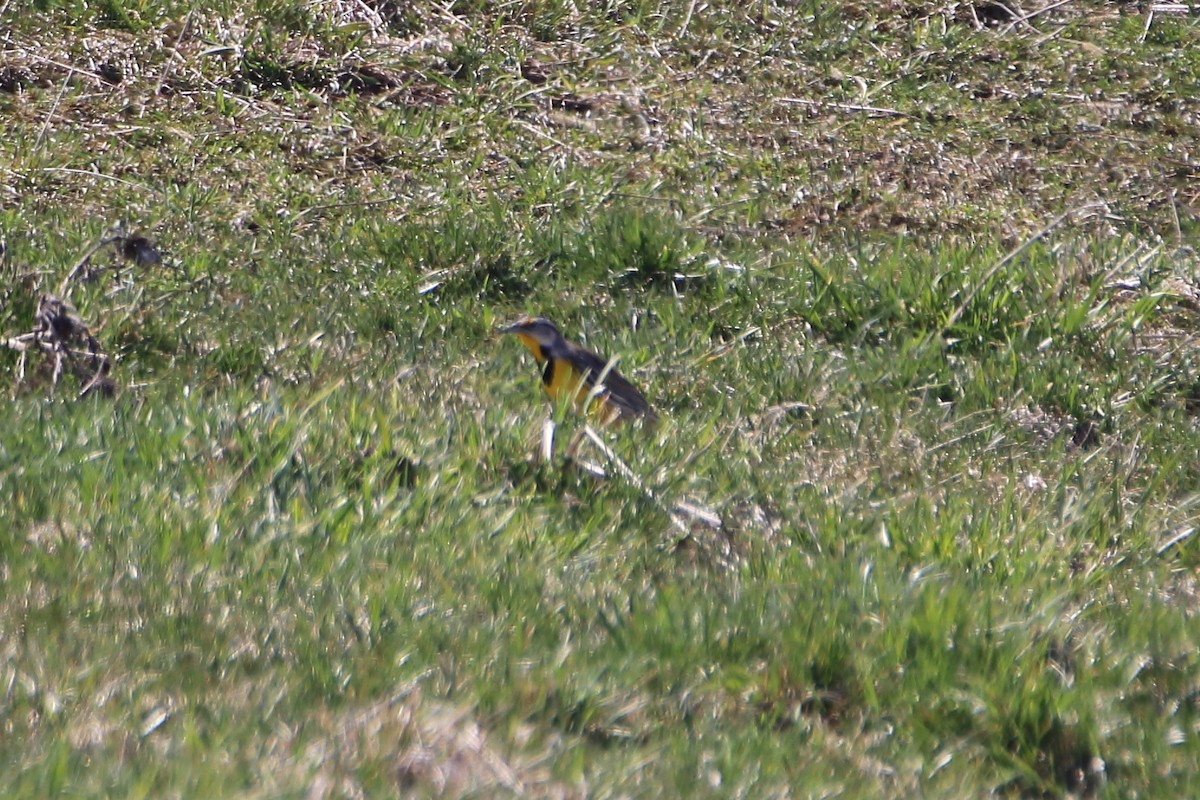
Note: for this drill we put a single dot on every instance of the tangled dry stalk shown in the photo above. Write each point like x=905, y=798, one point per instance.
x=59, y=332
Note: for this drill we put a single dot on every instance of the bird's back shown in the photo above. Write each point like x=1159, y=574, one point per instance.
x=621, y=396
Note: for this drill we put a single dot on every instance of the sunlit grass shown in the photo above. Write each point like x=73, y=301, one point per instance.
x=921, y=342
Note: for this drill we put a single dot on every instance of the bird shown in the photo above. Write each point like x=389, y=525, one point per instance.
x=571, y=371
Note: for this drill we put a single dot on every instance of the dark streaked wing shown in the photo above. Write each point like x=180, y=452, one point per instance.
x=621, y=392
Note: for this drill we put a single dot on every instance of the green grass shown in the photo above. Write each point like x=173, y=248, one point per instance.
x=914, y=295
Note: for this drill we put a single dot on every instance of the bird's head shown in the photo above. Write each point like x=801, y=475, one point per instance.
x=539, y=334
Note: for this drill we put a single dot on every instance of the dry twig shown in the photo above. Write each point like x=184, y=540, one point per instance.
x=61, y=335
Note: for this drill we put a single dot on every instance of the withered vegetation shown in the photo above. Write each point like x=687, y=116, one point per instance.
x=913, y=285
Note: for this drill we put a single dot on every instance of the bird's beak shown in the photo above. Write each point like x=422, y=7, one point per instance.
x=510, y=328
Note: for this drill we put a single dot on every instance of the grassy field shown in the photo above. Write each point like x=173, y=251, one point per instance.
x=912, y=286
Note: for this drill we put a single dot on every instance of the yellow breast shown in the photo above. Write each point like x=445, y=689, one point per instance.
x=566, y=383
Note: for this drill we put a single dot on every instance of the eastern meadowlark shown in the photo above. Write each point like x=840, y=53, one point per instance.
x=571, y=372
